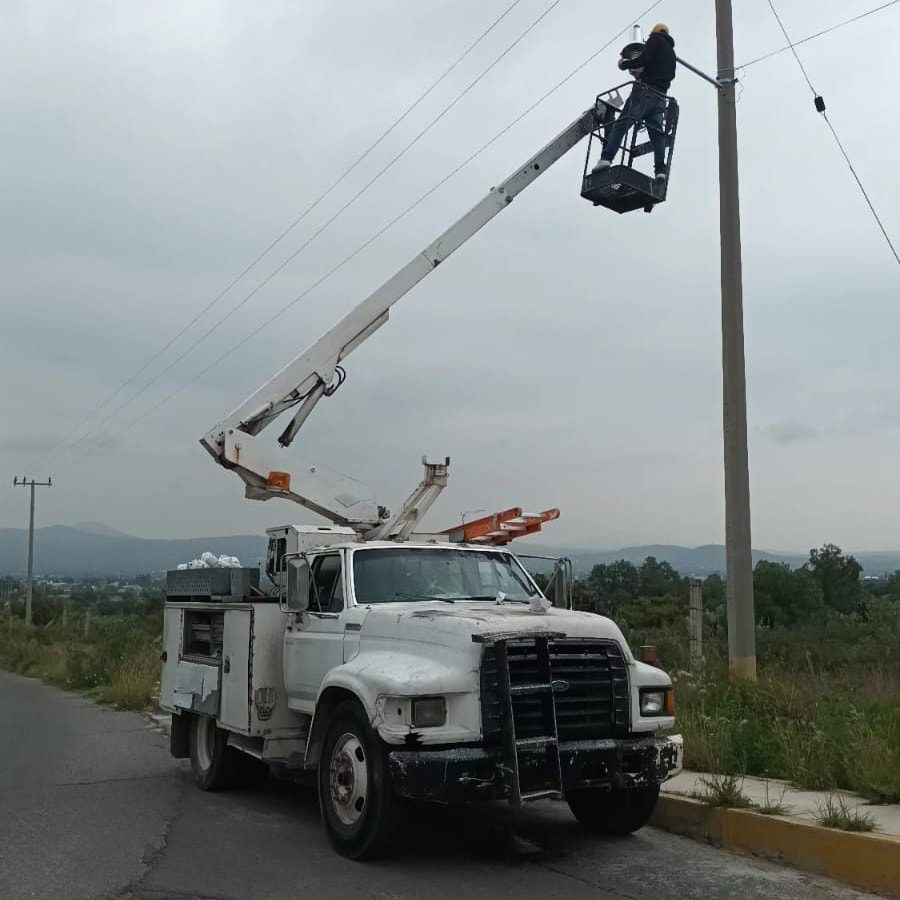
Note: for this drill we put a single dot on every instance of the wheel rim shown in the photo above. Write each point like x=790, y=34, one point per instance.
x=348, y=779
x=206, y=738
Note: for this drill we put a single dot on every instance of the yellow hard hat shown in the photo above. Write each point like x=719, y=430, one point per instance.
x=660, y=27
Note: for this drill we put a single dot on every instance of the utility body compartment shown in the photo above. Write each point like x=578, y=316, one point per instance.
x=222, y=653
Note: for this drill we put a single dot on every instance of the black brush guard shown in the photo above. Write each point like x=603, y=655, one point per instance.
x=555, y=718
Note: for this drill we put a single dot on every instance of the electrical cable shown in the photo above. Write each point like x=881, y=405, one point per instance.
x=274, y=243
x=820, y=107
x=347, y=259
x=791, y=45
x=241, y=303
x=818, y=34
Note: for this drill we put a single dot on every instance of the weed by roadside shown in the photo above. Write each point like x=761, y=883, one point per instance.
x=134, y=681
x=772, y=805
x=723, y=790
x=820, y=730
x=833, y=812
x=118, y=662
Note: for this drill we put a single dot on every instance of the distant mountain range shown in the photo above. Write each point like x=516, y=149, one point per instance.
x=91, y=549
x=94, y=550
x=701, y=561
x=687, y=560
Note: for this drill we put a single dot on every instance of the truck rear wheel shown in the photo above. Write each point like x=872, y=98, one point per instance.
x=616, y=811
x=358, y=805
x=215, y=765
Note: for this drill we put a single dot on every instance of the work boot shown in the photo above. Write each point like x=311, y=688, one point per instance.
x=602, y=165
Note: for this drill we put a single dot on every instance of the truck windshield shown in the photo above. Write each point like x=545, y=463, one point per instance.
x=391, y=575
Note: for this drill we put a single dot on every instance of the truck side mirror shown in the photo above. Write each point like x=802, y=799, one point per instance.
x=297, y=584
x=559, y=588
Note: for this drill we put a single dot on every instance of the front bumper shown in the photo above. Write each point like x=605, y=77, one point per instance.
x=465, y=773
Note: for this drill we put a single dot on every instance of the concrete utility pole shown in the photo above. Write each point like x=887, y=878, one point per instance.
x=24, y=482
x=738, y=560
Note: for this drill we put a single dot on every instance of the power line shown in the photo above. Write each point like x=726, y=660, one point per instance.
x=846, y=156
x=241, y=303
x=274, y=243
x=818, y=34
x=820, y=107
x=791, y=46
x=347, y=259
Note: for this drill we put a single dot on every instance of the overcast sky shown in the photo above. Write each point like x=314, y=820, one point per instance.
x=565, y=357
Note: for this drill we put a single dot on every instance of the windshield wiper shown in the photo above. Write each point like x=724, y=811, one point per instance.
x=493, y=597
x=408, y=595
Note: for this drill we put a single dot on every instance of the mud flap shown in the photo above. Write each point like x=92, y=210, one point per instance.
x=180, y=736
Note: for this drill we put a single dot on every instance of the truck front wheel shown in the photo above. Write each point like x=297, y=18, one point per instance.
x=615, y=811
x=215, y=765
x=359, y=807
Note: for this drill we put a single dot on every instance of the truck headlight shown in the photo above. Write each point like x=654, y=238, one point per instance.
x=657, y=702
x=429, y=712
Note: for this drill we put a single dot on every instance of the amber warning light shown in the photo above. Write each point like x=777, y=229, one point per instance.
x=279, y=481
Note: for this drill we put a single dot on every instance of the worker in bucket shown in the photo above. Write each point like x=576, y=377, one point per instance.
x=653, y=69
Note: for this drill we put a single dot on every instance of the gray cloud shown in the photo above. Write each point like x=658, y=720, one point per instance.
x=791, y=431
x=26, y=444
x=566, y=356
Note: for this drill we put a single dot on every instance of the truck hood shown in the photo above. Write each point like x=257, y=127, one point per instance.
x=456, y=624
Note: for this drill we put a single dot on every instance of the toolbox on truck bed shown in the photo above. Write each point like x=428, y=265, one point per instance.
x=205, y=585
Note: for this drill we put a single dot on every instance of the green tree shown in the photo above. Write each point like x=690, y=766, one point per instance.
x=892, y=585
x=658, y=579
x=614, y=585
x=713, y=592
x=650, y=614
x=714, y=615
x=838, y=578
x=785, y=596
x=584, y=597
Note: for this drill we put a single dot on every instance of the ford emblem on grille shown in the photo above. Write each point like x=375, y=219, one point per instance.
x=558, y=686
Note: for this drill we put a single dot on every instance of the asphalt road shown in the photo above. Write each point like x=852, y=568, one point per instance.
x=92, y=807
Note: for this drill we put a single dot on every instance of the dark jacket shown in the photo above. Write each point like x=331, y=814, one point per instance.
x=657, y=59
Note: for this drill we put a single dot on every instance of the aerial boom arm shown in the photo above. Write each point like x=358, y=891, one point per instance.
x=312, y=374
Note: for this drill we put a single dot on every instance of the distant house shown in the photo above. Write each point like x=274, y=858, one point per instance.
x=61, y=587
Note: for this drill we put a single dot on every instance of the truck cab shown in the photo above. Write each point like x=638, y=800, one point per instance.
x=423, y=670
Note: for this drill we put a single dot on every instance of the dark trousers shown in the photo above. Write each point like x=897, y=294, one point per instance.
x=643, y=105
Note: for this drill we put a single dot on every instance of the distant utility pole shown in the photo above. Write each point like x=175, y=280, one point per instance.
x=738, y=561
x=25, y=482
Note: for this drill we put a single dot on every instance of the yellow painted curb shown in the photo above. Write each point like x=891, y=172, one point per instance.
x=866, y=860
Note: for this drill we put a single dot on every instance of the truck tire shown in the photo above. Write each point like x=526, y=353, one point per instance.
x=358, y=804
x=215, y=765
x=616, y=811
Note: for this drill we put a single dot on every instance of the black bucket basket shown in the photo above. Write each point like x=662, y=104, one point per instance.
x=625, y=186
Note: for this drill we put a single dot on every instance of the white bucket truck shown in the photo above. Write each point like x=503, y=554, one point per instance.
x=398, y=665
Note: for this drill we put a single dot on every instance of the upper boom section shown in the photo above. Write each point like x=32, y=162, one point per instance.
x=311, y=376
x=314, y=368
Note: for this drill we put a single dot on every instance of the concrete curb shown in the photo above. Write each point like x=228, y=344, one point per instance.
x=870, y=861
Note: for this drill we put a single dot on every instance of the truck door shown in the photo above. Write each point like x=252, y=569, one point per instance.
x=314, y=641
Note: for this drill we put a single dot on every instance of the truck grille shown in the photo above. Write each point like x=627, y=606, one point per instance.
x=594, y=705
